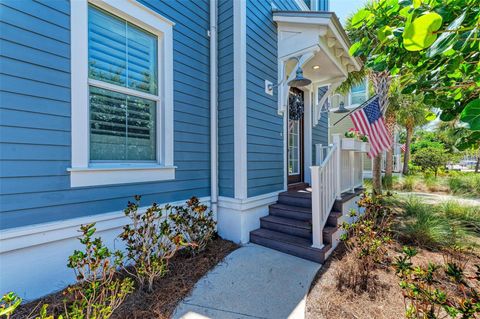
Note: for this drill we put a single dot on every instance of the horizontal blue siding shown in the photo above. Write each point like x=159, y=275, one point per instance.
x=264, y=126
x=320, y=134
x=225, y=99
x=35, y=130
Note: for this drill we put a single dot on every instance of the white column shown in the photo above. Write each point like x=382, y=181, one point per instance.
x=337, y=141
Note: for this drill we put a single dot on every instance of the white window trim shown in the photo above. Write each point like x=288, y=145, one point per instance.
x=84, y=173
x=349, y=97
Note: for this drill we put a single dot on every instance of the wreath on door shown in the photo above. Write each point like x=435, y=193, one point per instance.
x=296, y=107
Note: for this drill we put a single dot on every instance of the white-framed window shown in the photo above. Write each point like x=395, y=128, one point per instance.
x=122, y=93
x=358, y=94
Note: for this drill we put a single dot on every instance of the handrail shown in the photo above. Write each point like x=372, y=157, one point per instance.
x=324, y=193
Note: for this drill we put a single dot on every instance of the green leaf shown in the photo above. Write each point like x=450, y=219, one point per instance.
x=354, y=48
x=417, y=3
x=446, y=40
x=359, y=17
x=420, y=33
x=431, y=116
x=471, y=115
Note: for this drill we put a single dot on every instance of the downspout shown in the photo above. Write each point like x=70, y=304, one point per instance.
x=213, y=108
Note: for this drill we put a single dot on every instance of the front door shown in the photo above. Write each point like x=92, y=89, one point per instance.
x=295, y=136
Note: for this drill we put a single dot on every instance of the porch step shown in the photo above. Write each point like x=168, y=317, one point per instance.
x=334, y=219
x=289, y=211
x=287, y=226
x=293, y=245
x=296, y=198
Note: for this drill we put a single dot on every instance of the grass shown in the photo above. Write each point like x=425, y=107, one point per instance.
x=438, y=226
x=465, y=184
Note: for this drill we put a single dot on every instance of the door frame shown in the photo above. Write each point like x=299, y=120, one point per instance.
x=307, y=138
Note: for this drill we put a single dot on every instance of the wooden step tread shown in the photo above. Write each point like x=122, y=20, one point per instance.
x=287, y=222
x=285, y=238
x=301, y=194
x=305, y=210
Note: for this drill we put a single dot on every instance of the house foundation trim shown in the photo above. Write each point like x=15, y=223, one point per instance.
x=236, y=218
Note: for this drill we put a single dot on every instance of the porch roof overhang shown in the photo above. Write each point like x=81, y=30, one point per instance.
x=319, y=42
x=301, y=32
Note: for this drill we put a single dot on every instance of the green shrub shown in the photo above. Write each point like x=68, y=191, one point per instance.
x=150, y=242
x=430, y=158
x=436, y=226
x=464, y=184
x=99, y=290
x=427, y=290
x=8, y=303
x=194, y=222
x=409, y=183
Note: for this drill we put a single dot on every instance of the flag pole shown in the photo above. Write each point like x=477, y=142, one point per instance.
x=358, y=107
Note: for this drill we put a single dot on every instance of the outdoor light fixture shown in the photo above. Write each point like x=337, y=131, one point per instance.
x=341, y=108
x=316, y=67
x=298, y=81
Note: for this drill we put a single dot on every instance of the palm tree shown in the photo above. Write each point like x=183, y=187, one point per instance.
x=411, y=113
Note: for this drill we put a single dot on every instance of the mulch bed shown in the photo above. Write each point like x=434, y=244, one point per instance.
x=184, y=272
x=384, y=300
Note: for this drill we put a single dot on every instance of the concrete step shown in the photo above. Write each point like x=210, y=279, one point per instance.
x=288, y=226
x=289, y=211
x=293, y=245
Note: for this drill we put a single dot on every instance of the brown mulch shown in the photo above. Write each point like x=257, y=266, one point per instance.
x=383, y=300
x=184, y=272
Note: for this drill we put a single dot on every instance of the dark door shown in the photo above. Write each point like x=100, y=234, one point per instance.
x=295, y=136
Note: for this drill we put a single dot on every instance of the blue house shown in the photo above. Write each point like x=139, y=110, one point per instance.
x=105, y=99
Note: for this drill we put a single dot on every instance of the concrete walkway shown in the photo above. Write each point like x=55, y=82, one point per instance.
x=252, y=282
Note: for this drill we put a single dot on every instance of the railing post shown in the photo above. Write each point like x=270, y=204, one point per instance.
x=317, y=240
x=351, y=156
x=338, y=142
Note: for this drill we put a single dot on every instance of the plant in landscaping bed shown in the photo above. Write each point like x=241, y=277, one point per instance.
x=464, y=183
x=436, y=226
x=427, y=290
x=8, y=303
x=150, y=242
x=366, y=239
x=430, y=158
x=99, y=290
x=194, y=222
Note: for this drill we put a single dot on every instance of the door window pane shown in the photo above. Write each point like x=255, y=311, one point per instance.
x=121, y=53
x=122, y=127
x=293, y=147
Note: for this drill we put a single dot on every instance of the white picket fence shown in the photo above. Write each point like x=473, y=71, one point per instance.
x=338, y=169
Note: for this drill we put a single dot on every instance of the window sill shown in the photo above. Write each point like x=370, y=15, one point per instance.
x=112, y=174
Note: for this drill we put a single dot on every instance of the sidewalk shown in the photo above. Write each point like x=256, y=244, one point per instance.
x=252, y=282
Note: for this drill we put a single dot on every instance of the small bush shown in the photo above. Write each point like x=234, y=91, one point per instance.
x=464, y=184
x=409, y=183
x=8, y=303
x=150, y=242
x=366, y=239
x=436, y=226
x=99, y=291
x=195, y=223
x=427, y=296
x=430, y=158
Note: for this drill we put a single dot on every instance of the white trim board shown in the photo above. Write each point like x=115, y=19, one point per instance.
x=240, y=97
x=153, y=22
x=38, y=234
x=238, y=217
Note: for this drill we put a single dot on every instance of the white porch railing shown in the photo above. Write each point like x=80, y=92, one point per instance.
x=337, y=170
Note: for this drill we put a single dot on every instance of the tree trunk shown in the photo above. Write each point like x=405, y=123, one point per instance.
x=389, y=169
x=377, y=175
x=477, y=166
x=406, y=156
x=381, y=84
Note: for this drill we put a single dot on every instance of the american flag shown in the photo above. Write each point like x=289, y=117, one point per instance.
x=404, y=148
x=369, y=121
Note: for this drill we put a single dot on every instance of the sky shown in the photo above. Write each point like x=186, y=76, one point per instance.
x=345, y=8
